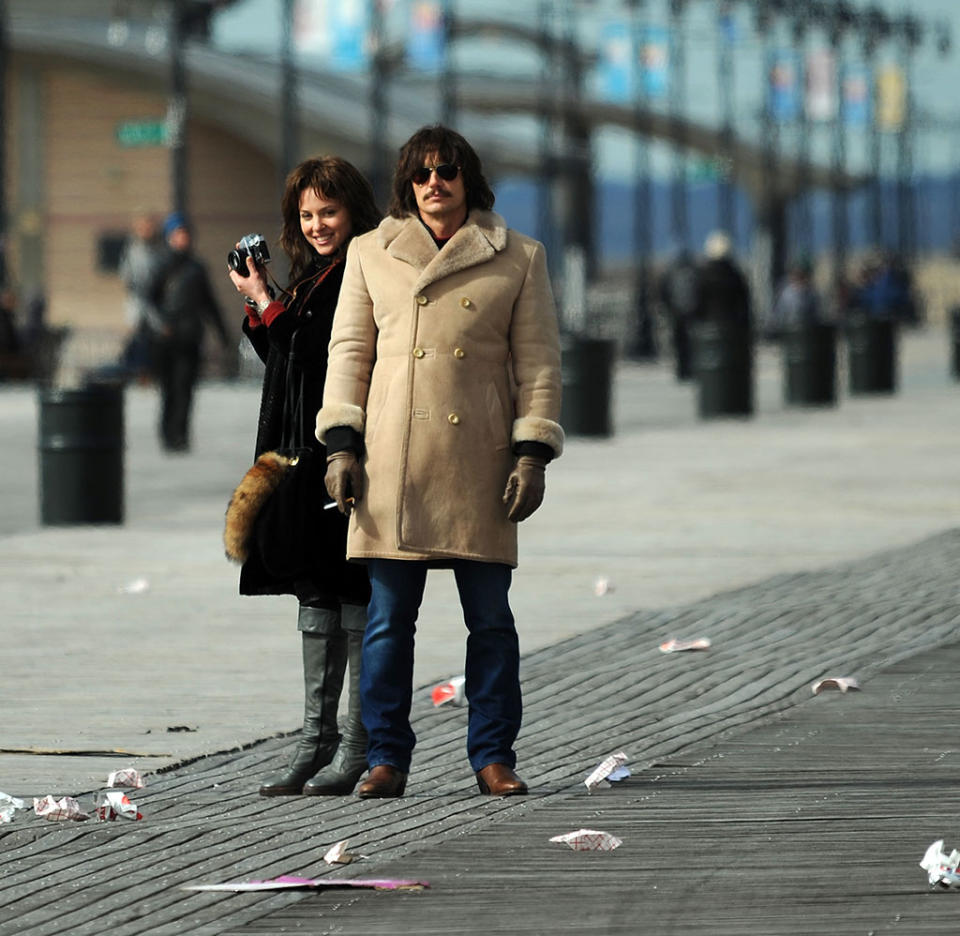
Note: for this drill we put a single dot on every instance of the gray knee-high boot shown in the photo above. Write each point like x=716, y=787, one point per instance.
x=324, y=663
x=341, y=775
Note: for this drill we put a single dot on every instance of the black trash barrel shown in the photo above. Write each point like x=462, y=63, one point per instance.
x=723, y=368
x=810, y=365
x=955, y=342
x=587, y=365
x=81, y=443
x=872, y=354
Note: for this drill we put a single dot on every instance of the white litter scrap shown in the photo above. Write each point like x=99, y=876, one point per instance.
x=9, y=806
x=113, y=804
x=941, y=868
x=58, y=810
x=602, y=586
x=338, y=854
x=127, y=777
x=843, y=683
x=675, y=646
x=588, y=840
x=137, y=586
x=608, y=771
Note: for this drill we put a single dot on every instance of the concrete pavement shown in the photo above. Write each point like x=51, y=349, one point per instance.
x=669, y=510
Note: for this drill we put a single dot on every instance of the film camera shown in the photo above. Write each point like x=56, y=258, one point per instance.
x=251, y=245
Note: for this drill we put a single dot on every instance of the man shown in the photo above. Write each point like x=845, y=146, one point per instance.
x=184, y=302
x=439, y=415
x=723, y=291
x=142, y=255
x=678, y=292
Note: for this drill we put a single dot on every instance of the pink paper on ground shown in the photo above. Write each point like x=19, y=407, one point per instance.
x=287, y=882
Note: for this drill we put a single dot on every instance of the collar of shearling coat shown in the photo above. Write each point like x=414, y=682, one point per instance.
x=483, y=234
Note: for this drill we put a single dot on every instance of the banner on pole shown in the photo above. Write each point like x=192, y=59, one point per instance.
x=821, y=98
x=655, y=61
x=615, y=69
x=856, y=95
x=783, y=88
x=891, y=97
x=425, y=39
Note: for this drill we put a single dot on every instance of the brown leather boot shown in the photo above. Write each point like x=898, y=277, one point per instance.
x=383, y=781
x=500, y=780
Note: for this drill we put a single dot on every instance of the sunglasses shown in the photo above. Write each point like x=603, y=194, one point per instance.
x=447, y=171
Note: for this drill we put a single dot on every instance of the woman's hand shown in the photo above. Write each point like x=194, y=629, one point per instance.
x=254, y=286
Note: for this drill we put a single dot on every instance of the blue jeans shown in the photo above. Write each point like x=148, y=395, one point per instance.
x=492, y=665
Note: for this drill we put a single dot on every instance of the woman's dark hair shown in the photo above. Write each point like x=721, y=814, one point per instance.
x=334, y=179
x=449, y=147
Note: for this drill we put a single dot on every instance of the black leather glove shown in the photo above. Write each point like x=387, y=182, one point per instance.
x=525, y=486
x=344, y=480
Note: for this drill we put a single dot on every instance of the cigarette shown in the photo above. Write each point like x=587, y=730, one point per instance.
x=333, y=504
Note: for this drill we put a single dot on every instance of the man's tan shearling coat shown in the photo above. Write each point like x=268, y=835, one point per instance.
x=442, y=360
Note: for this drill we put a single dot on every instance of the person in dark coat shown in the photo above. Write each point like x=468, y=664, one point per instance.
x=185, y=305
x=723, y=291
x=678, y=292
x=326, y=202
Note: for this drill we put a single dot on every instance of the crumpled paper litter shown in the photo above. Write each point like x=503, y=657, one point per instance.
x=843, y=683
x=941, y=868
x=675, y=646
x=59, y=810
x=588, y=840
x=609, y=770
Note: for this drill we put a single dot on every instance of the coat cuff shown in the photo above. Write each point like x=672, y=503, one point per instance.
x=339, y=414
x=537, y=429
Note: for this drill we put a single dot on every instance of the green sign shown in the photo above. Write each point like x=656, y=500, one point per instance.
x=142, y=133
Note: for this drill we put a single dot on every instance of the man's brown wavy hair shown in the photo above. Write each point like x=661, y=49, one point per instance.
x=450, y=147
x=334, y=179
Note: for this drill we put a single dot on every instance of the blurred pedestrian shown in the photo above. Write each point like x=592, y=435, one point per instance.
x=679, y=295
x=185, y=305
x=325, y=203
x=723, y=291
x=797, y=303
x=139, y=265
x=440, y=414
x=13, y=363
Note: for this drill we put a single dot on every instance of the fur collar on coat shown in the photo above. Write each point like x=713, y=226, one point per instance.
x=482, y=236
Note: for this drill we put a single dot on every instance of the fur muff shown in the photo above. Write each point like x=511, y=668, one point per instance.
x=251, y=494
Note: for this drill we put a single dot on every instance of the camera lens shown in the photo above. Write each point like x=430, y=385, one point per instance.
x=237, y=261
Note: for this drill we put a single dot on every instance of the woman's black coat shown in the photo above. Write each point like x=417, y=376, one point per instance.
x=294, y=349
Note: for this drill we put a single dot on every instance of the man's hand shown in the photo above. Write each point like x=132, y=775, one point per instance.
x=525, y=487
x=344, y=480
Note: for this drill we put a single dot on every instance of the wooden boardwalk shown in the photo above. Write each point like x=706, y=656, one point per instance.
x=754, y=807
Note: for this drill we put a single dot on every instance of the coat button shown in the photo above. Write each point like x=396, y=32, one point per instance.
x=459, y=353
x=418, y=352
x=453, y=419
x=465, y=302
x=422, y=299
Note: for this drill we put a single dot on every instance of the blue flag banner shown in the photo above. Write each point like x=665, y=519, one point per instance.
x=425, y=38
x=783, y=85
x=349, y=26
x=655, y=61
x=615, y=69
x=857, y=99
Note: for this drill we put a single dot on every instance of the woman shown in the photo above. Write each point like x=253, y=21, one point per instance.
x=326, y=201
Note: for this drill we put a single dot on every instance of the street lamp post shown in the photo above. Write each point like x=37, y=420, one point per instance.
x=678, y=91
x=177, y=106
x=289, y=136
x=3, y=143
x=643, y=345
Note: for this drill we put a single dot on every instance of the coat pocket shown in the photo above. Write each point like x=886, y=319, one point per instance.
x=499, y=419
